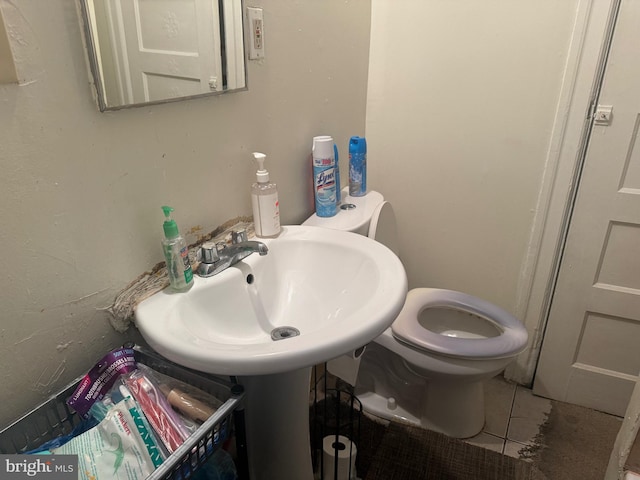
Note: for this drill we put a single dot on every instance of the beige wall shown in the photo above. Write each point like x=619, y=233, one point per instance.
x=81, y=190
x=459, y=112
x=460, y=109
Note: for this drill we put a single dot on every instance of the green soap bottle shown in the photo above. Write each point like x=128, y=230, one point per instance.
x=176, y=254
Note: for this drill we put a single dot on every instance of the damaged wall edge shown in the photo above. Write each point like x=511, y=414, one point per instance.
x=123, y=308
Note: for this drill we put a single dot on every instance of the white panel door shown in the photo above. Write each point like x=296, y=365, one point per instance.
x=591, y=350
x=169, y=48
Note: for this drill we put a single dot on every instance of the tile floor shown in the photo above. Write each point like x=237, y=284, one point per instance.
x=513, y=417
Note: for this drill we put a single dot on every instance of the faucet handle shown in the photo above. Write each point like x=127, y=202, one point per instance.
x=209, y=252
x=239, y=235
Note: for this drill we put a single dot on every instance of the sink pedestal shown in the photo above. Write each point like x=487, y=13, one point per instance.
x=277, y=422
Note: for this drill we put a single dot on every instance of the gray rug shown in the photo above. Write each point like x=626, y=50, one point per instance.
x=399, y=451
x=410, y=453
x=574, y=443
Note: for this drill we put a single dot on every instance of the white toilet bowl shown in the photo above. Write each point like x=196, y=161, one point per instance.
x=448, y=344
x=430, y=366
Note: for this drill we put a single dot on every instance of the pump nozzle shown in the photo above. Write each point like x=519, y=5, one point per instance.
x=262, y=176
x=170, y=227
x=167, y=212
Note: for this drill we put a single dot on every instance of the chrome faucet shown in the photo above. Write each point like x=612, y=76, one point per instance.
x=219, y=257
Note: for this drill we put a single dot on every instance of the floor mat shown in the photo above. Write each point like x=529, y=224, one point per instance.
x=575, y=442
x=411, y=453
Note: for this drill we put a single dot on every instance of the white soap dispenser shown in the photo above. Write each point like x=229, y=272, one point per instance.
x=264, y=201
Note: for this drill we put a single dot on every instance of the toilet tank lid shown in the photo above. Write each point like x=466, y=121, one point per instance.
x=350, y=219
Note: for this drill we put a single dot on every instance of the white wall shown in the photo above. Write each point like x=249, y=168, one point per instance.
x=81, y=190
x=461, y=103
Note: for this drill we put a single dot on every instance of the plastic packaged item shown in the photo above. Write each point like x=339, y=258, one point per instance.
x=118, y=393
x=357, y=166
x=264, y=201
x=325, y=186
x=119, y=448
x=185, y=403
x=99, y=380
x=176, y=254
x=165, y=422
x=193, y=403
x=84, y=426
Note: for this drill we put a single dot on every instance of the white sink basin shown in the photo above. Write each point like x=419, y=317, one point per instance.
x=339, y=290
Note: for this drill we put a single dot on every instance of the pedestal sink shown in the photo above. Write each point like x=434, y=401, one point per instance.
x=316, y=295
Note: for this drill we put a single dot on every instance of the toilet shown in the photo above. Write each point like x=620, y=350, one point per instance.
x=430, y=366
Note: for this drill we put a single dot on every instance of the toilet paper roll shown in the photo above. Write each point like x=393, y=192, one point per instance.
x=347, y=366
x=344, y=452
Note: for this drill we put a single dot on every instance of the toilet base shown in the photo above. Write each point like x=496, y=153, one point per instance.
x=456, y=410
x=378, y=406
x=451, y=403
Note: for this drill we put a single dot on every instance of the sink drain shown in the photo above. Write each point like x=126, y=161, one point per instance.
x=283, y=333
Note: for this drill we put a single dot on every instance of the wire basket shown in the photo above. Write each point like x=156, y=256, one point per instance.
x=336, y=412
x=54, y=418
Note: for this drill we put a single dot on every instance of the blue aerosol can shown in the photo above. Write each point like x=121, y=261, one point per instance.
x=357, y=166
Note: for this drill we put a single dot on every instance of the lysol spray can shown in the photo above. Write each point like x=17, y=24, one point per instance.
x=324, y=176
x=357, y=166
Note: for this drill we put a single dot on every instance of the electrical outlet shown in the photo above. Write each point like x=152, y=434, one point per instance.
x=256, y=33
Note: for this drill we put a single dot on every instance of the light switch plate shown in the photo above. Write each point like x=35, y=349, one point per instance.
x=256, y=33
